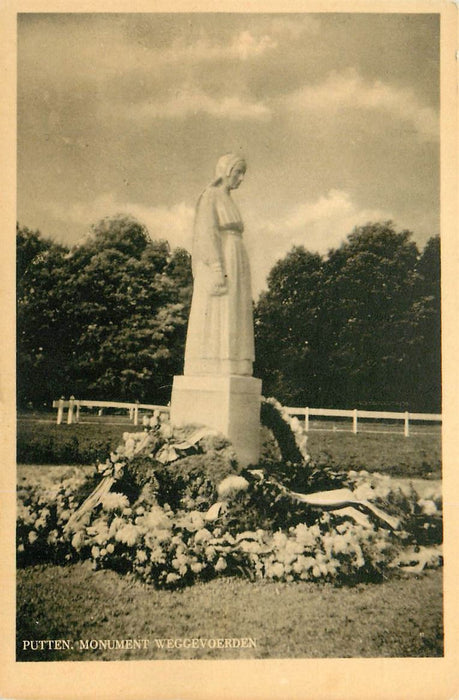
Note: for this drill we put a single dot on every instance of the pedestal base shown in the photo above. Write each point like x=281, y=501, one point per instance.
x=229, y=404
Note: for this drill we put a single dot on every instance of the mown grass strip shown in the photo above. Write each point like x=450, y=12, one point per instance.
x=401, y=618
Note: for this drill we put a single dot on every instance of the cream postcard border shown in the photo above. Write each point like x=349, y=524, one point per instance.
x=330, y=679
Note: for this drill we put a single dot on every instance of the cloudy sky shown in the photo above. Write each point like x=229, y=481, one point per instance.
x=337, y=115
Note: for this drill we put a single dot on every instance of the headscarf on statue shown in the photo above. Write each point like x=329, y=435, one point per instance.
x=224, y=166
x=206, y=242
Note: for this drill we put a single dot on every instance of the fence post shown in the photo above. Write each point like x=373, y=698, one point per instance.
x=60, y=410
x=306, y=419
x=136, y=415
x=77, y=412
x=70, y=413
x=354, y=421
x=407, y=424
x=131, y=413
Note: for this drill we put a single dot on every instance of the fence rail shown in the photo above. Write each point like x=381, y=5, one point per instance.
x=356, y=413
x=73, y=416
x=73, y=405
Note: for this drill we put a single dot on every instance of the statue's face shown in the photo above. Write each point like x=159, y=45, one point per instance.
x=236, y=176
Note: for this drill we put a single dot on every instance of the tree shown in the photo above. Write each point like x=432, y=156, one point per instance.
x=366, y=301
x=286, y=328
x=424, y=340
x=110, y=317
x=40, y=336
x=358, y=328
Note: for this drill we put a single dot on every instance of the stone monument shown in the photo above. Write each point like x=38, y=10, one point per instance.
x=217, y=388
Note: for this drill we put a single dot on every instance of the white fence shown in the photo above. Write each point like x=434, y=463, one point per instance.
x=73, y=405
x=356, y=413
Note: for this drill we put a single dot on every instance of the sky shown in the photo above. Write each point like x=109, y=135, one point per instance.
x=336, y=114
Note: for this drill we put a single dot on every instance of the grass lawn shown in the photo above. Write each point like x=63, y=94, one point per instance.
x=399, y=618
x=391, y=453
x=41, y=442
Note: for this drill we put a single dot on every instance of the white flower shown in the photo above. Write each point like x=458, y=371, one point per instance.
x=193, y=520
x=117, y=523
x=127, y=534
x=155, y=519
x=232, y=485
x=78, y=540
x=277, y=569
x=102, y=535
x=221, y=564
x=428, y=506
x=119, y=466
x=52, y=537
x=162, y=535
x=32, y=536
x=279, y=539
x=129, y=447
x=304, y=535
x=115, y=501
x=202, y=535
x=166, y=430
x=105, y=467
x=154, y=420
x=302, y=442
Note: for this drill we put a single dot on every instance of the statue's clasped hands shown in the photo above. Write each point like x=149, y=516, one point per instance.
x=219, y=284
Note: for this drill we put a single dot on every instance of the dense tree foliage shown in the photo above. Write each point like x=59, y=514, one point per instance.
x=359, y=327
x=106, y=319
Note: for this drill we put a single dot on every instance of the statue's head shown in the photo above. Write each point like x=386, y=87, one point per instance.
x=230, y=170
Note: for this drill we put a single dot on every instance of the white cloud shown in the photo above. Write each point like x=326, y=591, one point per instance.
x=325, y=223
x=294, y=27
x=242, y=46
x=190, y=101
x=245, y=45
x=174, y=223
x=348, y=90
x=318, y=225
x=98, y=56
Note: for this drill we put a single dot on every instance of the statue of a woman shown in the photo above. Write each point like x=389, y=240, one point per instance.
x=220, y=327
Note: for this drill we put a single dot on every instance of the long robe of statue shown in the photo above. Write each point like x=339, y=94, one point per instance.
x=220, y=328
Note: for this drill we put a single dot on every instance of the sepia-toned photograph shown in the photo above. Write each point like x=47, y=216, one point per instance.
x=228, y=294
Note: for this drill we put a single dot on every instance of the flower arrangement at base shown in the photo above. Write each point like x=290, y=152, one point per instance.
x=172, y=507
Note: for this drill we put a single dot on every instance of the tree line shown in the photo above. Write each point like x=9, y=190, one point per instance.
x=359, y=327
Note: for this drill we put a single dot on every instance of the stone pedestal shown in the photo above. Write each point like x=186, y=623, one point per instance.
x=229, y=404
